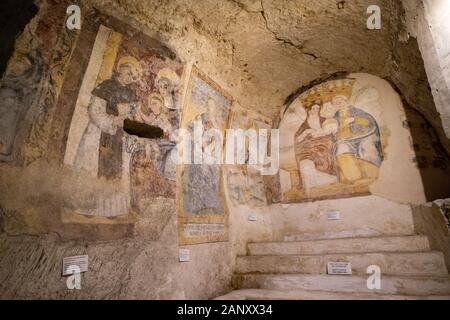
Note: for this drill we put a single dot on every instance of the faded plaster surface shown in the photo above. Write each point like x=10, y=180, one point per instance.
x=127, y=269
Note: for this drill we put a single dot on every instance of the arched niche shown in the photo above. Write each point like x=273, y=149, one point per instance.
x=348, y=137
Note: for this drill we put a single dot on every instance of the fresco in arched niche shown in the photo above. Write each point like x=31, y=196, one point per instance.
x=331, y=142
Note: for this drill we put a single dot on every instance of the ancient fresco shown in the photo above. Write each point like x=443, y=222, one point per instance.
x=202, y=209
x=130, y=84
x=30, y=88
x=331, y=142
x=245, y=184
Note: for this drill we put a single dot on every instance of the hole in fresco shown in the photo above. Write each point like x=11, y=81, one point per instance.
x=142, y=130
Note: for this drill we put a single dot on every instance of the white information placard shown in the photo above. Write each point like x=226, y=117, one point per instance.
x=333, y=215
x=75, y=261
x=339, y=268
x=184, y=255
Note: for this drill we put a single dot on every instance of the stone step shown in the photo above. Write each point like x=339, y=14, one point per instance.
x=399, y=263
x=261, y=294
x=346, y=245
x=390, y=285
x=330, y=235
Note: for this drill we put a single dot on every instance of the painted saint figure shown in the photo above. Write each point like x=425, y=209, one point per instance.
x=202, y=181
x=358, y=147
x=165, y=148
x=167, y=84
x=101, y=149
x=313, y=148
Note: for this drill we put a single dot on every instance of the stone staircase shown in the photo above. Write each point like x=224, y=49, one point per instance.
x=297, y=269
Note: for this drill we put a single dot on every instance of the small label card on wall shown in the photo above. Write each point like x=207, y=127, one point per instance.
x=79, y=262
x=184, y=255
x=252, y=217
x=334, y=215
x=339, y=268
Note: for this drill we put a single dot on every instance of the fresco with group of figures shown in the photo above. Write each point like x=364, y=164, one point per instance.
x=122, y=124
x=331, y=142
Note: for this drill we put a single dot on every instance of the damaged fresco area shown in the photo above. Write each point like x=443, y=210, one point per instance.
x=31, y=84
x=245, y=184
